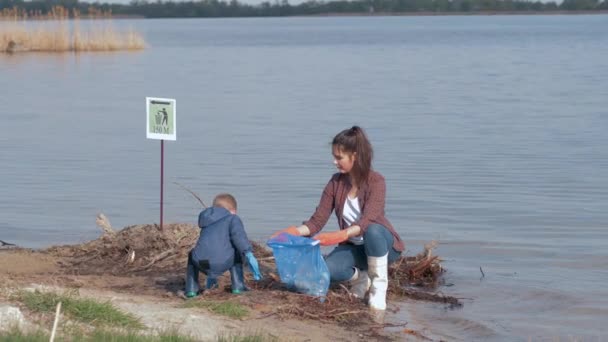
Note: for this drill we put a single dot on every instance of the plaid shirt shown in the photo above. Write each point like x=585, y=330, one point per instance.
x=371, y=196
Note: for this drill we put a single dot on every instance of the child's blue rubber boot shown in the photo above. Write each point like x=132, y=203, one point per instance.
x=237, y=279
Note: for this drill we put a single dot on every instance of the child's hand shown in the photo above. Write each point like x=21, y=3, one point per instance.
x=253, y=265
x=333, y=238
x=211, y=283
x=293, y=230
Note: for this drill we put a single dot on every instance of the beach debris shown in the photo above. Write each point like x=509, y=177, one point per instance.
x=4, y=243
x=130, y=255
x=416, y=334
x=159, y=258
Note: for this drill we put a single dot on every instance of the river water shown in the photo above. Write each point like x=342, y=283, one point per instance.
x=490, y=131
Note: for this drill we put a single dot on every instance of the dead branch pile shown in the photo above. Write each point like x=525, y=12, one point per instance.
x=337, y=307
x=146, y=250
x=135, y=250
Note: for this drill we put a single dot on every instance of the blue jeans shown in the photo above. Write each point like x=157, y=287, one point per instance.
x=193, y=270
x=377, y=241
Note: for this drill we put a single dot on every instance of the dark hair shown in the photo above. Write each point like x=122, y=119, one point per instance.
x=225, y=198
x=354, y=140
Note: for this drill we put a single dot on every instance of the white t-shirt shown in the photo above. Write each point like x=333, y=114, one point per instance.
x=350, y=214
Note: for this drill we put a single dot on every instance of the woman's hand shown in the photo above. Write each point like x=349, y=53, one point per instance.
x=333, y=238
x=293, y=230
x=353, y=231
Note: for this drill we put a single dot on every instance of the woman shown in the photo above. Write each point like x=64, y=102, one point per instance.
x=367, y=240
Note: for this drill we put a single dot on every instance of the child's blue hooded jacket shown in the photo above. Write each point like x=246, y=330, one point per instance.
x=222, y=236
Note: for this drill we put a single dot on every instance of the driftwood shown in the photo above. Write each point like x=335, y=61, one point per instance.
x=157, y=258
x=8, y=244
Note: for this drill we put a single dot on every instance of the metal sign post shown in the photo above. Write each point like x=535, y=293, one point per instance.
x=161, y=125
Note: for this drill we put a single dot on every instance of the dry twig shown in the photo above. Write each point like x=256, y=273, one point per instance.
x=159, y=257
x=192, y=193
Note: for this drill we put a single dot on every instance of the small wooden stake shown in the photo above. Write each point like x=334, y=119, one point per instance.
x=57, y=311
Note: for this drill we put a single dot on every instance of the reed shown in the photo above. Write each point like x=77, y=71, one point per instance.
x=54, y=13
x=62, y=31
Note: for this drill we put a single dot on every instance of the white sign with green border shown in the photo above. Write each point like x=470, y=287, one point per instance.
x=160, y=118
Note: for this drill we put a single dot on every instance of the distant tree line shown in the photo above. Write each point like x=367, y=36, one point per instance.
x=233, y=8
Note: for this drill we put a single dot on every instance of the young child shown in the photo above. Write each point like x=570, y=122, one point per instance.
x=221, y=246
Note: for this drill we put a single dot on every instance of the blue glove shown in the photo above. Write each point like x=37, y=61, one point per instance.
x=211, y=283
x=253, y=265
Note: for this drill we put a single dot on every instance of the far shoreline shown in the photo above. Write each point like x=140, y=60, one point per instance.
x=394, y=14
x=471, y=13
x=337, y=14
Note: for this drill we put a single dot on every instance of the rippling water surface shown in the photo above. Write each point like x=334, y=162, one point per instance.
x=490, y=131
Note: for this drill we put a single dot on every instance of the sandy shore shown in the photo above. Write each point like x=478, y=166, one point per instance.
x=140, y=270
x=157, y=309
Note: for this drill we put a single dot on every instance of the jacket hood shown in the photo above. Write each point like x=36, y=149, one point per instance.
x=211, y=215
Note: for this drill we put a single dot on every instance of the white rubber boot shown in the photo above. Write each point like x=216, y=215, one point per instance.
x=359, y=283
x=378, y=272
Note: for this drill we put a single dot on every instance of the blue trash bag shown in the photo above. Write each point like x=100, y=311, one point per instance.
x=300, y=264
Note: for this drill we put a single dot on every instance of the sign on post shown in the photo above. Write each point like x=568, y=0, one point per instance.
x=160, y=118
x=160, y=124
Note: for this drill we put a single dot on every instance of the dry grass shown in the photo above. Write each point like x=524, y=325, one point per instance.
x=62, y=32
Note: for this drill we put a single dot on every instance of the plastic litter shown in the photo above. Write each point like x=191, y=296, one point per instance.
x=300, y=264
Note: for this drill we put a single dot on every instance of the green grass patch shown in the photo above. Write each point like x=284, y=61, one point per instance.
x=225, y=308
x=98, y=335
x=16, y=335
x=79, y=309
x=109, y=336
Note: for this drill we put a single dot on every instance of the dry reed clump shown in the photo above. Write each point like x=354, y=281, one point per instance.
x=62, y=32
x=146, y=251
x=54, y=13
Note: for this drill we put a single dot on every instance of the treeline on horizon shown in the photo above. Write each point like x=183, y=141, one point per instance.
x=234, y=8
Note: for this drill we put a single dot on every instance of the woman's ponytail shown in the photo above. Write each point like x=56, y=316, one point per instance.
x=354, y=140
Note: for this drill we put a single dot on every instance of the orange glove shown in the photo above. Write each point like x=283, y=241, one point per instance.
x=293, y=230
x=333, y=238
